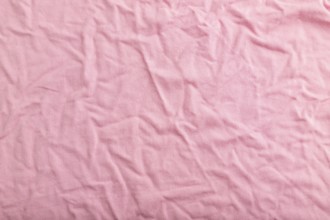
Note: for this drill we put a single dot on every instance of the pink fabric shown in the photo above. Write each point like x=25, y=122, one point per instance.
x=183, y=109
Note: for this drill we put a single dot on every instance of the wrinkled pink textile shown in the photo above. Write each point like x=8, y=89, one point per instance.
x=151, y=109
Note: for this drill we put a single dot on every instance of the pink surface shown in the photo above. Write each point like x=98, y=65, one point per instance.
x=177, y=109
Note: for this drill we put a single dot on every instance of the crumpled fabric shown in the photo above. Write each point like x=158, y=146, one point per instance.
x=159, y=109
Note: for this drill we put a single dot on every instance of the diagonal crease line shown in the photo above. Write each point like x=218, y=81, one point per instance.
x=153, y=80
x=90, y=73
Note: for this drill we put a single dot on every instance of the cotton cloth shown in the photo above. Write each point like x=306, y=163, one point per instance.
x=164, y=109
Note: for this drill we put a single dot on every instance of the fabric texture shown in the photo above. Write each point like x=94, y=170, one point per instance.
x=161, y=109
